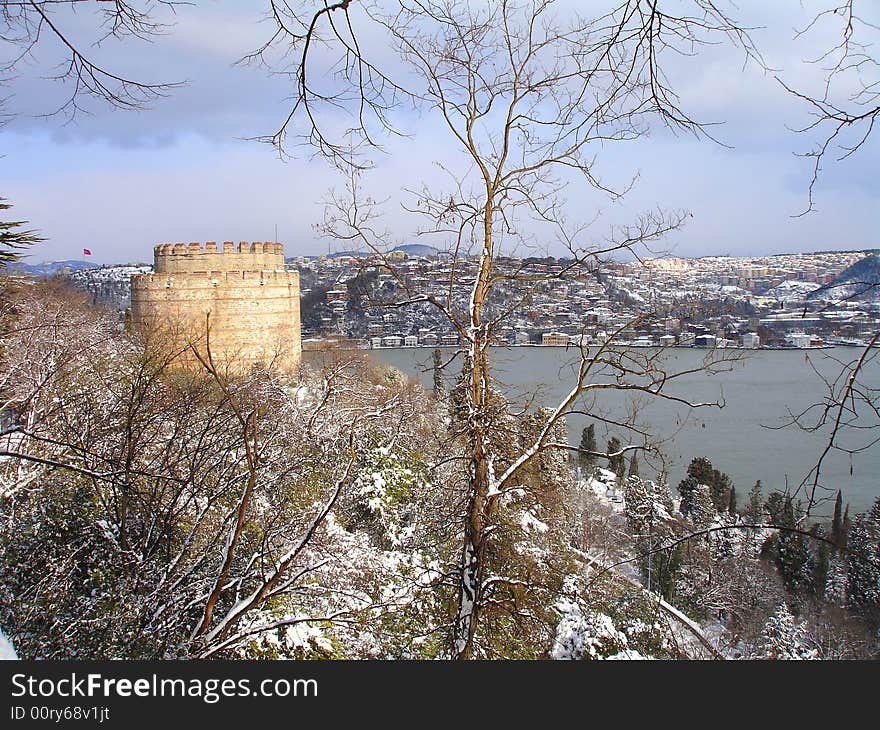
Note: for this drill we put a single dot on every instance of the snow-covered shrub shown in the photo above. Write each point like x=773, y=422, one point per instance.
x=385, y=490
x=585, y=634
x=784, y=637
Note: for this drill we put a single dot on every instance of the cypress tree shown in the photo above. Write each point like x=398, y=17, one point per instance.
x=755, y=502
x=616, y=463
x=586, y=455
x=792, y=557
x=837, y=521
x=633, y=466
x=687, y=489
x=719, y=488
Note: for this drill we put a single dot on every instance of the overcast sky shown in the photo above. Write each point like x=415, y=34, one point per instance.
x=119, y=182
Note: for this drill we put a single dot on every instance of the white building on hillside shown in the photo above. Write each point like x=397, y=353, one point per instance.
x=750, y=340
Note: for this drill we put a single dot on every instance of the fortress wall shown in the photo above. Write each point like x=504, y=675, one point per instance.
x=173, y=258
x=253, y=309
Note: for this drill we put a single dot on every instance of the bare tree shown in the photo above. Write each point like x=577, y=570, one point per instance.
x=847, y=417
x=847, y=103
x=334, y=54
x=186, y=515
x=844, y=111
x=528, y=96
x=33, y=25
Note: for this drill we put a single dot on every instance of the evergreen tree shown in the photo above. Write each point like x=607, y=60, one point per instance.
x=703, y=512
x=720, y=487
x=701, y=469
x=774, y=507
x=617, y=464
x=686, y=488
x=837, y=520
x=646, y=507
x=792, y=557
x=874, y=514
x=756, y=497
x=731, y=502
x=783, y=637
x=633, y=466
x=836, y=582
x=726, y=543
x=13, y=241
x=820, y=562
x=863, y=569
x=458, y=396
x=660, y=569
x=586, y=455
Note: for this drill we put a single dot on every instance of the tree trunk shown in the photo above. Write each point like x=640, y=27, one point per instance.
x=481, y=497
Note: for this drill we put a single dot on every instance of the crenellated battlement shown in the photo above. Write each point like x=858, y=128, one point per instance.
x=193, y=257
x=228, y=247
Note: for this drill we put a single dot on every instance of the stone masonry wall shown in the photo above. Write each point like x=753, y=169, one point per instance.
x=241, y=295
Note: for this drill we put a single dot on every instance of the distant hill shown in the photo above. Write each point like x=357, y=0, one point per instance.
x=50, y=268
x=418, y=249
x=355, y=254
x=861, y=281
x=836, y=250
x=109, y=284
x=410, y=249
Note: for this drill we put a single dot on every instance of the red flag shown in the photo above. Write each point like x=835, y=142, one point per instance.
x=87, y=252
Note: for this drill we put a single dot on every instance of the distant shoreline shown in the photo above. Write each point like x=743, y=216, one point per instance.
x=317, y=345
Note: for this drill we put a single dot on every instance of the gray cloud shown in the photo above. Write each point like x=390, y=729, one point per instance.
x=118, y=182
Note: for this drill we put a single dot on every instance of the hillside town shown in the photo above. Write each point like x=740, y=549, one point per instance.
x=795, y=300
x=809, y=300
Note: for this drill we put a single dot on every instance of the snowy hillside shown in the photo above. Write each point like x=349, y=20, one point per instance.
x=859, y=281
x=791, y=290
x=110, y=285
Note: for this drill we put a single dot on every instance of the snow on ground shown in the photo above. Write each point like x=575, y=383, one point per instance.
x=791, y=290
x=603, y=486
x=581, y=635
x=530, y=523
x=116, y=272
x=6, y=649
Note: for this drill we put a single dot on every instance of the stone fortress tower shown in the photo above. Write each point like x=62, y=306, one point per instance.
x=241, y=295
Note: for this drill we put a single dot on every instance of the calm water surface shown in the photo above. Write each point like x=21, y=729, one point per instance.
x=743, y=439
